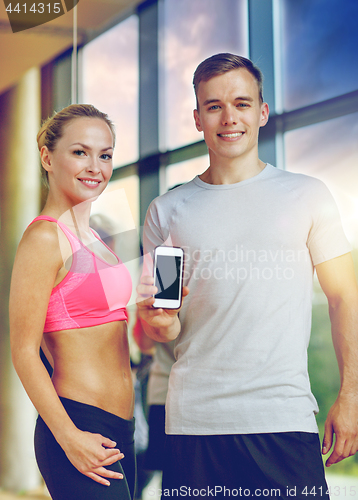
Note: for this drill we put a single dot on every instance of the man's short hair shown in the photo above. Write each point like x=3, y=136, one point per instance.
x=219, y=64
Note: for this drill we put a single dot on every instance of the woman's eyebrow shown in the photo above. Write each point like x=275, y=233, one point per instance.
x=89, y=147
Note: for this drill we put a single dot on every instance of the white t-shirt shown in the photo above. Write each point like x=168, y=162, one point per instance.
x=250, y=249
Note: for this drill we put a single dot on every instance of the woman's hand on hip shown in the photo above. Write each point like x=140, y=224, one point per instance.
x=91, y=454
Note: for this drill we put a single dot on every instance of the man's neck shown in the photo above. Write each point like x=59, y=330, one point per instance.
x=231, y=170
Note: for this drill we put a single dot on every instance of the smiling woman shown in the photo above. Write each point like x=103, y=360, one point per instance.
x=87, y=160
x=52, y=130
x=73, y=291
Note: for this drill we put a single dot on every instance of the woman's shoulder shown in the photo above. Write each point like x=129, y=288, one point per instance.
x=41, y=239
x=41, y=231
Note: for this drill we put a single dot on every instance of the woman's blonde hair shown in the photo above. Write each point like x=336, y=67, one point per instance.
x=52, y=129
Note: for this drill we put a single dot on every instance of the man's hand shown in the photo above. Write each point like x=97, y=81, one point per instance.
x=163, y=323
x=342, y=420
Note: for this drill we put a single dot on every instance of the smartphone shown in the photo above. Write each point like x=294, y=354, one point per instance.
x=168, y=276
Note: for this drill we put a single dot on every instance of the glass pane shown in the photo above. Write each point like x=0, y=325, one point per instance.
x=185, y=171
x=194, y=31
x=329, y=152
x=110, y=82
x=115, y=215
x=320, y=57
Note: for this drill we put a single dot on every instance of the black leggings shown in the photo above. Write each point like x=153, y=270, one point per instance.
x=63, y=480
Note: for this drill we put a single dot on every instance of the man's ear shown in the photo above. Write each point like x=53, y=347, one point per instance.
x=197, y=120
x=46, y=159
x=264, y=114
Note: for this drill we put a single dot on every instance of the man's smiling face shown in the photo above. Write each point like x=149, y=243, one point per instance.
x=230, y=114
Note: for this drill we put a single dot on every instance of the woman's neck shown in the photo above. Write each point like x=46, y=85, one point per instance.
x=75, y=217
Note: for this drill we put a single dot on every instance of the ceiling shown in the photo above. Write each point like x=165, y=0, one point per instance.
x=36, y=46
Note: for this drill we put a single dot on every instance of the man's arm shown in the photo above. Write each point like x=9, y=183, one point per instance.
x=161, y=325
x=337, y=279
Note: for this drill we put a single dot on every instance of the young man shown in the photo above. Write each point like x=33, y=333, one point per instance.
x=240, y=412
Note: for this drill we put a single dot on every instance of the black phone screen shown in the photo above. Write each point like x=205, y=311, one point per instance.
x=167, y=277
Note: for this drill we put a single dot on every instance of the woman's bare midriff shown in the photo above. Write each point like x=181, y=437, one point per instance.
x=91, y=365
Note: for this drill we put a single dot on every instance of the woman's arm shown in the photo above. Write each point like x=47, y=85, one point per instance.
x=37, y=263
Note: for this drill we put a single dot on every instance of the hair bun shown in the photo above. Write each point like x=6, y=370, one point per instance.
x=41, y=136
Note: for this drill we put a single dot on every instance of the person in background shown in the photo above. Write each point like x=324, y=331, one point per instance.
x=141, y=374
x=105, y=229
x=163, y=360
x=69, y=292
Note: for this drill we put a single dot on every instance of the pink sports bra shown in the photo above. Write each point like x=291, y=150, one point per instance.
x=93, y=292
